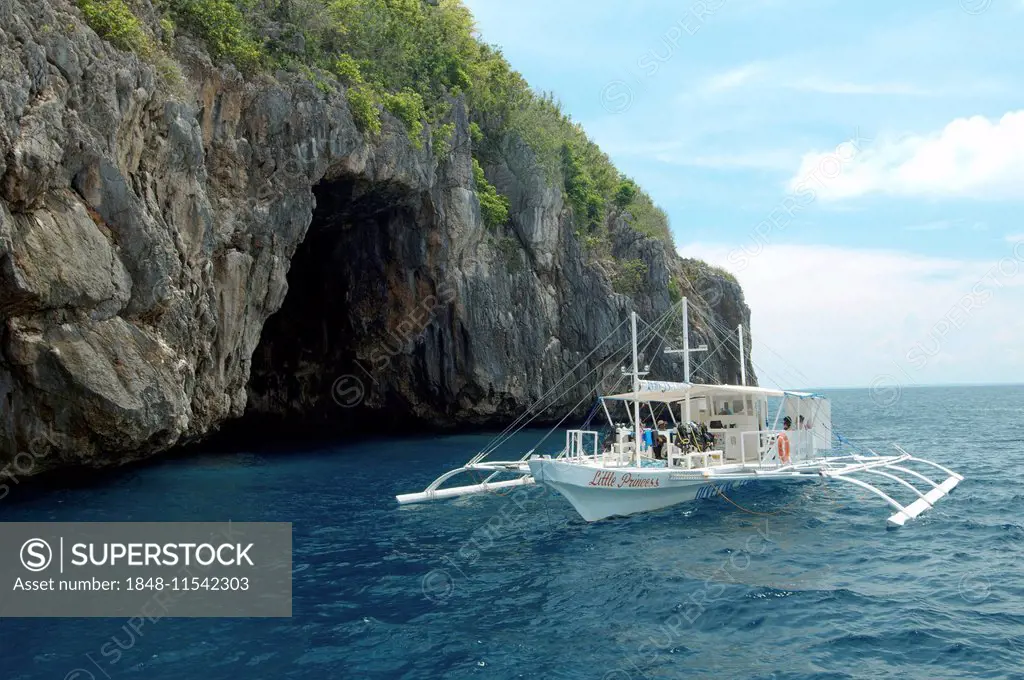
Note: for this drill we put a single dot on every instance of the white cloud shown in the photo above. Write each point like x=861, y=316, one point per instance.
x=795, y=76
x=825, y=86
x=733, y=78
x=1015, y=238
x=846, y=317
x=946, y=225
x=938, y=225
x=766, y=159
x=970, y=157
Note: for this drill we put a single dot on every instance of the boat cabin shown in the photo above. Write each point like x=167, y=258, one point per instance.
x=708, y=425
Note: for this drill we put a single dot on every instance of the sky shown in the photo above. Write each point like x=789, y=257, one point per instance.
x=859, y=167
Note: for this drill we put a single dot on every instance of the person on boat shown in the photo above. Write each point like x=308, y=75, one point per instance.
x=803, y=425
x=786, y=423
x=725, y=410
x=648, y=438
x=659, y=447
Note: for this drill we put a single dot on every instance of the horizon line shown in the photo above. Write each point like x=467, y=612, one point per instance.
x=908, y=385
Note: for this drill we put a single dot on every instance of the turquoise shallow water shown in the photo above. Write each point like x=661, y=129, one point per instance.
x=796, y=583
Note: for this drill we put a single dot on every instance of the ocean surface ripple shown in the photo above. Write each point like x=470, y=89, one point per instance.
x=800, y=582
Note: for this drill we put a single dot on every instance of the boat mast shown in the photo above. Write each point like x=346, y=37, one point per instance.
x=686, y=342
x=686, y=353
x=743, y=360
x=636, y=392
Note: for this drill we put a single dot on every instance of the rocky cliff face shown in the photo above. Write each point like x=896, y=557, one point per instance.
x=170, y=261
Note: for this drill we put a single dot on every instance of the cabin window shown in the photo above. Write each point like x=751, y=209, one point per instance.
x=728, y=407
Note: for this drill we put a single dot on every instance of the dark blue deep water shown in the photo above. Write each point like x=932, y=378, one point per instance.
x=803, y=582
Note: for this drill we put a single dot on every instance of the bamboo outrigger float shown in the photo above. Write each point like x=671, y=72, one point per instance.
x=720, y=440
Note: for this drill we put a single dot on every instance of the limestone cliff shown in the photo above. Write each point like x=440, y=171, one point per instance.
x=172, y=260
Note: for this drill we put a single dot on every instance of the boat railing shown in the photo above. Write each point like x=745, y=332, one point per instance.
x=801, y=446
x=576, y=442
x=764, y=443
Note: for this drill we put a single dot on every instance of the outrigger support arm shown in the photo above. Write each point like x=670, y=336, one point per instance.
x=874, y=471
x=433, y=492
x=864, y=485
x=452, y=492
x=929, y=462
x=885, y=467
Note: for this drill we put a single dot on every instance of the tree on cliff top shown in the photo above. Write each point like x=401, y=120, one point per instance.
x=409, y=57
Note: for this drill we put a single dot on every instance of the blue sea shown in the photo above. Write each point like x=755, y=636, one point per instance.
x=799, y=582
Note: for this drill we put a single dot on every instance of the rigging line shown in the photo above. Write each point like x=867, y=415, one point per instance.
x=647, y=337
x=646, y=344
x=592, y=413
x=594, y=389
x=710, y=356
x=786, y=375
x=564, y=418
x=655, y=329
x=655, y=335
x=780, y=357
x=670, y=324
x=728, y=333
x=758, y=367
x=729, y=352
x=701, y=376
x=587, y=396
x=505, y=437
x=726, y=342
x=661, y=345
x=800, y=374
x=713, y=326
x=664, y=339
x=703, y=317
x=665, y=319
x=754, y=512
x=540, y=399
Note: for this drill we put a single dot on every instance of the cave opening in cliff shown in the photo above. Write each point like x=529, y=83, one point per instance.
x=306, y=376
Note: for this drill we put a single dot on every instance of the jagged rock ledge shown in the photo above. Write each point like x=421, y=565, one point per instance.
x=172, y=261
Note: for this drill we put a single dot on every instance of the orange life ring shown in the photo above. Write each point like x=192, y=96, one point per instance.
x=783, y=448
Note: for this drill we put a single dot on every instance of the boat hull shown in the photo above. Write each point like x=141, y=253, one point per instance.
x=597, y=493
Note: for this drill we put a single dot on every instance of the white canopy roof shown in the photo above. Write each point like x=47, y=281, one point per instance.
x=665, y=392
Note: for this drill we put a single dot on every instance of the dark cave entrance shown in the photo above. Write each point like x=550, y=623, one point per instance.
x=307, y=376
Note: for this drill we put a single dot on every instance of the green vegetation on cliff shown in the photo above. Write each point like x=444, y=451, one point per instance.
x=493, y=206
x=114, y=21
x=410, y=57
x=629, y=280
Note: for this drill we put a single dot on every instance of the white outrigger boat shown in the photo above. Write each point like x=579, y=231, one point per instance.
x=720, y=440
